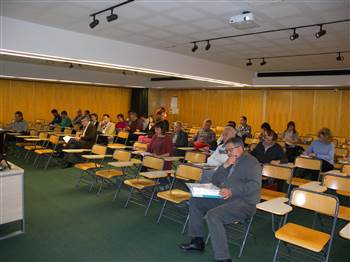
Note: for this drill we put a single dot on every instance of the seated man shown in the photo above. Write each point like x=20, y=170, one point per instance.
x=239, y=179
x=136, y=124
x=19, y=124
x=244, y=130
x=269, y=151
x=205, y=135
x=66, y=121
x=85, y=141
x=219, y=156
x=57, y=119
x=107, y=129
x=78, y=118
x=180, y=139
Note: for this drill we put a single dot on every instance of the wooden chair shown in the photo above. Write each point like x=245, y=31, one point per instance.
x=177, y=196
x=57, y=129
x=219, y=129
x=146, y=185
x=195, y=157
x=49, y=151
x=107, y=175
x=304, y=239
x=93, y=162
x=39, y=143
x=67, y=131
x=339, y=153
x=305, y=163
x=346, y=169
x=342, y=186
x=121, y=138
x=340, y=140
x=250, y=141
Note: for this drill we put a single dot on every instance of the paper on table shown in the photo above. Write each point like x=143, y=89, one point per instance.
x=67, y=138
x=204, y=190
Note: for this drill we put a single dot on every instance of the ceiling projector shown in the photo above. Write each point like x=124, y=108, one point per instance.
x=246, y=20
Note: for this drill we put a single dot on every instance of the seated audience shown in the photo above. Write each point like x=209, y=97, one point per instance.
x=136, y=124
x=244, y=130
x=291, y=137
x=87, y=113
x=205, y=135
x=161, y=144
x=149, y=125
x=94, y=120
x=19, y=124
x=66, y=121
x=269, y=151
x=107, y=129
x=121, y=123
x=162, y=115
x=323, y=149
x=264, y=128
x=179, y=138
x=57, y=119
x=78, y=117
x=86, y=140
x=232, y=123
x=239, y=180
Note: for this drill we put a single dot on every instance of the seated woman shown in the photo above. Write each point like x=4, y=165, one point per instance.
x=180, y=139
x=323, y=149
x=291, y=137
x=121, y=124
x=265, y=127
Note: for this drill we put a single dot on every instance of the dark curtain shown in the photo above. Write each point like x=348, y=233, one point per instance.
x=139, y=101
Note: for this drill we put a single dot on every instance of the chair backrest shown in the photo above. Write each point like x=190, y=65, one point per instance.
x=346, y=169
x=153, y=162
x=33, y=132
x=277, y=172
x=193, y=131
x=123, y=134
x=195, y=157
x=68, y=131
x=308, y=163
x=140, y=146
x=42, y=135
x=219, y=129
x=318, y=202
x=189, y=172
x=98, y=149
x=57, y=129
x=122, y=155
x=337, y=182
x=341, y=152
x=346, y=146
x=250, y=141
x=54, y=139
x=341, y=140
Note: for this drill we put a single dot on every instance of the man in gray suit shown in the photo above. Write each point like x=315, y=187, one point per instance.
x=239, y=179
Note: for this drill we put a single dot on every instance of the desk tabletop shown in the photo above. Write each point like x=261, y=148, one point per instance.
x=345, y=232
x=157, y=174
x=186, y=148
x=314, y=186
x=124, y=163
x=275, y=206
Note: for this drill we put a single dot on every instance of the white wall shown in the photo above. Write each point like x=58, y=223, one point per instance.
x=24, y=36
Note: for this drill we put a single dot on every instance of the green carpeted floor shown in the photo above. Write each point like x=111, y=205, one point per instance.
x=65, y=223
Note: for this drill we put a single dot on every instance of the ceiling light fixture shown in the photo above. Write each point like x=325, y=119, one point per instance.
x=195, y=47
x=112, y=16
x=263, y=62
x=294, y=35
x=249, y=63
x=207, y=47
x=339, y=57
x=94, y=23
x=320, y=33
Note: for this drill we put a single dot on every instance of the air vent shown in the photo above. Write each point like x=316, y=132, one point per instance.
x=306, y=73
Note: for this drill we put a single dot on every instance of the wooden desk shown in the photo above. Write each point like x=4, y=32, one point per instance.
x=314, y=186
x=157, y=174
x=12, y=198
x=345, y=232
x=275, y=206
x=95, y=156
x=125, y=163
x=186, y=148
x=172, y=158
x=139, y=133
x=118, y=146
x=76, y=151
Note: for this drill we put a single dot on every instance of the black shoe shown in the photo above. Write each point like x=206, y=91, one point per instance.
x=68, y=165
x=193, y=246
x=224, y=260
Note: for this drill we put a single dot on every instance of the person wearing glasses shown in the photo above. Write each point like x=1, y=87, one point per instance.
x=239, y=180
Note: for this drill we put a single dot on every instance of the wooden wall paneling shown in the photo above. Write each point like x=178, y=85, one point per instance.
x=231, y=101
x=252, y=108
x=6, y=114
x=302, y=110
x=278, y=107
x=344, y=116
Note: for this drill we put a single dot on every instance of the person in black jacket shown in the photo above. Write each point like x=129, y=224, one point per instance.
x=269, y=151
x=180, y=139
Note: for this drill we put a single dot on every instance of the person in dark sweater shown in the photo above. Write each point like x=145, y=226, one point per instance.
x=269, y=151
x=180, y=139
x=239, y=180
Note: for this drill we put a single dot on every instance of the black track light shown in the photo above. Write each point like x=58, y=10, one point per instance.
x=112, y=17
x=294, y=35
x=207, y=47
x=339, y=57
x=195, y=47
x=320, y=33
x=94, y=23
x=263, y=62
x=249, y=63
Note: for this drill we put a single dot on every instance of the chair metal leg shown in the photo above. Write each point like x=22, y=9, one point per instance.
x=151, y=199
x=48, y=161
x=207, y=239
x=116, y=194
x=185, y=225
x=129, y=197
x=161, y=211
x=245, y=236
x=101, y=185
x=276, y=251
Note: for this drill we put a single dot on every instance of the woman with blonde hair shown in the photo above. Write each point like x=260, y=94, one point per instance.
x=323, y=149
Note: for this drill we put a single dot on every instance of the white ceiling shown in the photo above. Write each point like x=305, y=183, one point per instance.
x=172, y=25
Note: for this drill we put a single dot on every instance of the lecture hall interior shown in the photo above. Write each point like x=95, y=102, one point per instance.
x=164, y=130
